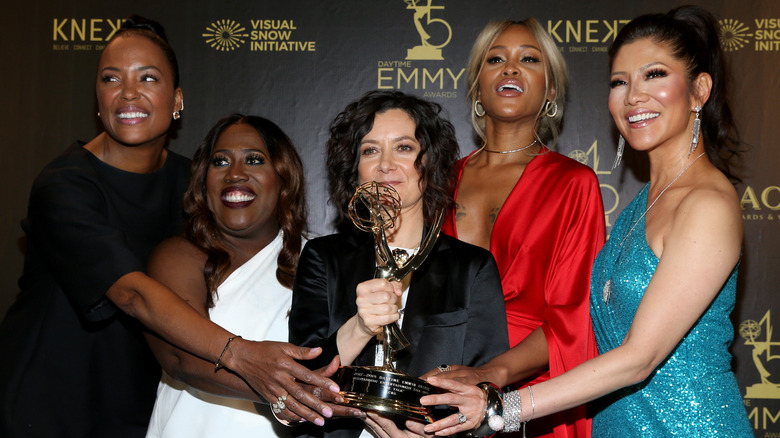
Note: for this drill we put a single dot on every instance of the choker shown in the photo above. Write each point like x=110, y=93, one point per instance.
x=511, y=151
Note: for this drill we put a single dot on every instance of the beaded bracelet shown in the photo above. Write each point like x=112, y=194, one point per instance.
x=492, y=422
x=217, y=364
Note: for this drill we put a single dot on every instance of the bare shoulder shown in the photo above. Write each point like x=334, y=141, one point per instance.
x=178, y=264
x=713, y=200
x=709, y=217
x=175, y=251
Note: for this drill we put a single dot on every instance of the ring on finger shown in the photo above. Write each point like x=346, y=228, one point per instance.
x=317, y=392
x=444, y=368
x=279, y=405
x=461, y=418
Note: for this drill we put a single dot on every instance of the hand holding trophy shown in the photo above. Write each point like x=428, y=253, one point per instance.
x=374, y=208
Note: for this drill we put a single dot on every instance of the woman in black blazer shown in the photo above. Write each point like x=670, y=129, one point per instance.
x=451, y=309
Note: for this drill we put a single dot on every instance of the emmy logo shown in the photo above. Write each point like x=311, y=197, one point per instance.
x=762, y=357
x=426, y=50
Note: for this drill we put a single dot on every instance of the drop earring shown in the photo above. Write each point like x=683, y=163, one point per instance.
x=621, y=147
x=695, y=131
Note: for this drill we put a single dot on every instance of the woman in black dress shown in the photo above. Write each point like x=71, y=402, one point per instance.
x=74, y=359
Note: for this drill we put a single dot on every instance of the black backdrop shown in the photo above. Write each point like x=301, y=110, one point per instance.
x=298, y=62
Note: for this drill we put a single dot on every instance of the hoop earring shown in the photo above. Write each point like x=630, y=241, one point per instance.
x=550, y=106
x=621, y=147
x=479, y=111
x=695, y=131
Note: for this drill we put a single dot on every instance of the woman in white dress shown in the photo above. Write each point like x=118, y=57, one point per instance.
x=246, y=213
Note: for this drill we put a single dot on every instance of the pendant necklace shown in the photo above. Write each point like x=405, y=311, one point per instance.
x=510, y=151
x=608, y=285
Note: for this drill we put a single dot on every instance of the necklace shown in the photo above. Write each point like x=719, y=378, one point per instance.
x=511, y=151
x=608, y=285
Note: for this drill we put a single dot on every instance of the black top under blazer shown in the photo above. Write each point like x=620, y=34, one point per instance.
x=454, y=312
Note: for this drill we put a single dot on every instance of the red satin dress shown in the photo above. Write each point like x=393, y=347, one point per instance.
x=545, y=239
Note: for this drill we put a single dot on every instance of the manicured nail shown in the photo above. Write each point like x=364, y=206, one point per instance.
x=328, y=412
x=334, y=388
x=319, y=422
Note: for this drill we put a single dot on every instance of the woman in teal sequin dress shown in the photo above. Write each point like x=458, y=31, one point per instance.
x=664, y=284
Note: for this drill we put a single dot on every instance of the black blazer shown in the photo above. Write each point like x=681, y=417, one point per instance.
x=454, y=312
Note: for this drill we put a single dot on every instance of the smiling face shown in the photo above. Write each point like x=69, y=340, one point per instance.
x=135, y=91
x=512, y=79
x=241, y=184
x=387, y=155
x=650, y=97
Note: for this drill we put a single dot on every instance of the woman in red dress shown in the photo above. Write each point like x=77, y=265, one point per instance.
x=539, y=212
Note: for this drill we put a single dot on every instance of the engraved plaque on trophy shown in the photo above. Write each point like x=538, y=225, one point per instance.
x=374, y=208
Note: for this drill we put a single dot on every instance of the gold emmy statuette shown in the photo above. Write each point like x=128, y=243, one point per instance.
x=374, y=208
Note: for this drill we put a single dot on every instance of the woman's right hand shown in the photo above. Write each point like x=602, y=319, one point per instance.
x=378, y=304
x=271, y=368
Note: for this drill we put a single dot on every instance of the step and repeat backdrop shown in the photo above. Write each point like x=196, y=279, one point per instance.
x=299, y=62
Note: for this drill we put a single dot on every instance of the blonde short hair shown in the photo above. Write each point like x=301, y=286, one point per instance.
x=548, y=128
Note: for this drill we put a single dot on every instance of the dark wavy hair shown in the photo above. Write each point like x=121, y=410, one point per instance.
x=437, y=140
x=154, y=32
x=691, y=33
x=291, y=210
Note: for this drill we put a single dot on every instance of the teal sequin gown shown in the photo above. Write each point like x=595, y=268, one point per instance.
x=693, y=393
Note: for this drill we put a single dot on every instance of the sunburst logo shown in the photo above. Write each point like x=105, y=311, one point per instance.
x=225, y=35
x=733, y=34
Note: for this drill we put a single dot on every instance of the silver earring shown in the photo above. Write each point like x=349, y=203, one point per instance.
x=621, y=147
x=550, y=106
x=176, y=115
x=695, y=131
x=478, y=109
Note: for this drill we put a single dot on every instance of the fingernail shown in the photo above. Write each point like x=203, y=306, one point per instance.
x=334, y=388
x=328, y=412
x=319, y=422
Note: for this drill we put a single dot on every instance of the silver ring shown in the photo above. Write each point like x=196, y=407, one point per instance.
x=444, y=368
x=317, y=392
x=279, y=406
x=461, y=418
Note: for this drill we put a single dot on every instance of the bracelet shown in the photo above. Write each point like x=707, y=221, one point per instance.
x=533, y=405
x=513, y=412
x=492, y=422
x=217, y=364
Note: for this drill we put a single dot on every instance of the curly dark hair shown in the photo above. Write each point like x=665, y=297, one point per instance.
x=437, y=140
x=291, y=210
x=691, y=33
x=154, y=32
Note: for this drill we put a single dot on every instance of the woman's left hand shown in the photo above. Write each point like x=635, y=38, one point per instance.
x=383, y=427
x=470, y=401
